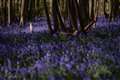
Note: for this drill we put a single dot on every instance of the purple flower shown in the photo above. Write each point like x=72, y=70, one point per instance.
x=23, y=70
x=68, y=66
x=86, y=78
x=82, y=67
x=40, y=66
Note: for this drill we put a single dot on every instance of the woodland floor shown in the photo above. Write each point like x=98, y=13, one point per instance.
x=40, y=56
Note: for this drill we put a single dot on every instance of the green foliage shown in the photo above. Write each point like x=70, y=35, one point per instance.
x=96, y=71
x=116, y=72
x=69, y=76
x=62, y=37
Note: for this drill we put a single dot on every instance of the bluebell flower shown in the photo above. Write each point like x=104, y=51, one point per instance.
x=68, y=66
x=23, y=70
x=87, y=78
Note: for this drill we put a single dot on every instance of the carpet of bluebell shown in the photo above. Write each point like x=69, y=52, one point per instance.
x=41, y=56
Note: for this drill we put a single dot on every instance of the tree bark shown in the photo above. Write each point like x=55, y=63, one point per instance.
x=73, y=14
x=48, y=17
x=24, y=11
x=84, y=13
x=9, y=12
x=5, y=12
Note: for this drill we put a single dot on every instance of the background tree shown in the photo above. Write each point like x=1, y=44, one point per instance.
x=48, y=17
x=59, y=12
x=4, y=14
x=57, y=17
x=84, y=14
x=114, y=9
x=73, y=14
x=24, y=11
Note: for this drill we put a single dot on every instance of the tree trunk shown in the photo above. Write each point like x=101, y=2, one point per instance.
x=60, y=18
x=24, y=12
x=0, y=12
x=84, y=13
x=31, y=10
x=9, y=12
x=92, y=10
x=54, y=14
x=48, y=17
x=5, y=12
x=73, y=14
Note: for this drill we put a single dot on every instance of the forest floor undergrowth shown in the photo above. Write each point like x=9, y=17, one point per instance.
x=40, y=56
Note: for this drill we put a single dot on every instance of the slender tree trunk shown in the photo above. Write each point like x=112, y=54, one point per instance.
x=106, y=5
x=5, y=12
x=2, y=16
x=55, y=18
x=31, y=10
x=0, y=12
x=9, y=12
x=60, y=18
x=92, y=10
x=114, y=9
x=24, y=11
x=21, y=11
x=73, y=14
x=48, y=17
x=13, y=10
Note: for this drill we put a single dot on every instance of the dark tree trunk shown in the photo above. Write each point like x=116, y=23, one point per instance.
x=54, y=14
x=24, y=12
x=48, y=17
x=92, y=10
x=84, y=13
x=62, y=25
x=114, y=9
x=57, y=18
x=5, y=12
x=1, y=18
x=73, y=14
x=31, y=10
x=12, y=11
